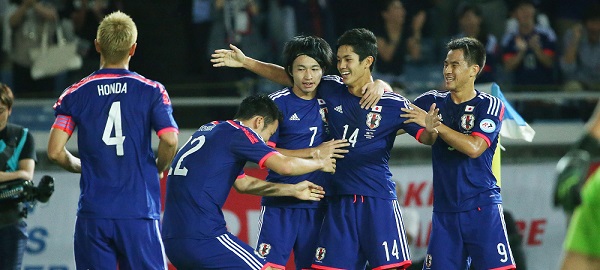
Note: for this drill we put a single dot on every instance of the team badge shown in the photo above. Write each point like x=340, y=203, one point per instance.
x=373, y=120
x=487, y=125
x=467, y=121
x=323, y=112
x=469, y=108
x=320, y=254
x=428, y=261
x=264, y=249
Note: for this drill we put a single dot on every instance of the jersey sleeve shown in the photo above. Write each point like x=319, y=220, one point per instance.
x=162, y=112
x=488, y=120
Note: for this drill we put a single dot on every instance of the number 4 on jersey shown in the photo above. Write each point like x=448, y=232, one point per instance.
x=114, y=122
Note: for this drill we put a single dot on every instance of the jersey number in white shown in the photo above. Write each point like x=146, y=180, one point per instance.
x=502, y=251
x=352, y=139
x=114, y=122
x=312, y=139
x=394, y=252
x=182, y=171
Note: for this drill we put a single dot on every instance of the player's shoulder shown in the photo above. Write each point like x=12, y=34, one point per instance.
x=393, y=98
x=491, y=104
x=433, y=94
x=280, y=94
x=332, y=79
x=242, y=132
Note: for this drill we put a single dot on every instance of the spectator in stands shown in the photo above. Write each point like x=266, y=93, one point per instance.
x=5, y=74
x=580, y=62
x=471, y=24
x=24, y=23
x=197, y=24
x=86, y=15
x=236, y=22
x=529, y=52
x=396, y=41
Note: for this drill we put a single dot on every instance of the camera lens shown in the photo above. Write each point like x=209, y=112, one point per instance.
x=45, y=188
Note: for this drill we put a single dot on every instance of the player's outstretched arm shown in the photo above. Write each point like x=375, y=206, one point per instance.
x=335, y=148
x=58, y=153
x=236, y=58
x=285, y=165
x=304, y=190
x=430, y=120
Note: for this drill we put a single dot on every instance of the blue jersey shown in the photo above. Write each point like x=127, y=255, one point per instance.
x=461, y=183
x=371, y=133
x=304, y=125
x=114, y=111
x=202, y=174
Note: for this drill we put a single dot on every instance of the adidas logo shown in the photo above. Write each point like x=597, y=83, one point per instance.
x=294, y=117
x=338, y=109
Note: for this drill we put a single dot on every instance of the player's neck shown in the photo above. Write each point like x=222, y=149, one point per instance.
x=124, y=64
x=356, y=87
x=463, y=94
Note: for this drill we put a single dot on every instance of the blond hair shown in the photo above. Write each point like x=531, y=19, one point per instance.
x=116, y=35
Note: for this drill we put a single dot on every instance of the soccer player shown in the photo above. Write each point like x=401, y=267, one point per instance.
x=363, y=220
x=205, y=169
x=467, y=216
x=287, y=223
x=115, y=111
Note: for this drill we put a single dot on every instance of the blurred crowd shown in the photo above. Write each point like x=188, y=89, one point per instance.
x=532, y=45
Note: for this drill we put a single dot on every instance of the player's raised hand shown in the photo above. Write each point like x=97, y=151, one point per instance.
x=228, y=58
x=327, y=160
x=432, y=119
x=414, y=114
x=372, y=93
x=334, y=148
x=308, y=191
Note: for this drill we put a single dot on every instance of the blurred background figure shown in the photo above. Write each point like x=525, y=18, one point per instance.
x=580, y=62
x=397, y=41
x=529, y=52
x=237, y=22
x=86, y=15
x=197, y=24
x=471, y=24
x=23, y=26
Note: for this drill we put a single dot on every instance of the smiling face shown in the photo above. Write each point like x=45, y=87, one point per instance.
x=458, y=74
x=355, y=73
x=306, y=73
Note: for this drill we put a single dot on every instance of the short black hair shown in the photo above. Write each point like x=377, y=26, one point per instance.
x=311, y=46
x=362, y=41
x=259, y=105
x=473, y=49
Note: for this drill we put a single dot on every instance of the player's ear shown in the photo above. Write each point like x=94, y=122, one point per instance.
x=258, y=122
x=132, y=49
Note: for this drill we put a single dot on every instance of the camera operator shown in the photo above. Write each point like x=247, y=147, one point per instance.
x=17, y=161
